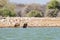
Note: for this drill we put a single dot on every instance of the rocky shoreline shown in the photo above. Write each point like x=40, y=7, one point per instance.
x=18, y=22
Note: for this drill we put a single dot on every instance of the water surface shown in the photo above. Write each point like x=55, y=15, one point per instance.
x=30, y=34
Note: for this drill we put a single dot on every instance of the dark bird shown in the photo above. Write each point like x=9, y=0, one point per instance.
x=25, y=25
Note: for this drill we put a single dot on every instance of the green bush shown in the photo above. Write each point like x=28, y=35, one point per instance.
x=53, y=4
x=35, y=13
x=6, y=12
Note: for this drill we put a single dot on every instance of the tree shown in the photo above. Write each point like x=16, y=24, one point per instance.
x=6, y=12
x=52, y=12
x=7, y=9
x=10, y=6
x=3, y=3
x=53, y=4
x=35, y=13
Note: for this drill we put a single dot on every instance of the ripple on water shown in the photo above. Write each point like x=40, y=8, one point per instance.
x=29, y=34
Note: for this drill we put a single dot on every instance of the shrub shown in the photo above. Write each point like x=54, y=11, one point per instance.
x=6, y=12
x=53, y=4
x=52, y=12
x=35, y=13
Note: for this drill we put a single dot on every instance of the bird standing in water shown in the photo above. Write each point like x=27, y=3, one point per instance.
x=25, y=25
